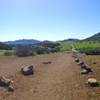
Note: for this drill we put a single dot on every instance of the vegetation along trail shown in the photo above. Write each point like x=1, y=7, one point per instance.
x=60, y=80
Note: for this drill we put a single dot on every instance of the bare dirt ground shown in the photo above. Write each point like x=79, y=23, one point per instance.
x=94, y=63
x=60, y=80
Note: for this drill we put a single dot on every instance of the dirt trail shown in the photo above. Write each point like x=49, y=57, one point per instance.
x=60, y=80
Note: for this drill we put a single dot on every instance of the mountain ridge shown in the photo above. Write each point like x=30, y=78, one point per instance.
x=95, y=37
x=23, y=42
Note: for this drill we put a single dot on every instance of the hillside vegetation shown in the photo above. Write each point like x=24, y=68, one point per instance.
x=89, y=48
x=95, y=37
x=65, y=46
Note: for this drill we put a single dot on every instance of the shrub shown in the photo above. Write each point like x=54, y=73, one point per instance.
x=24, y=51
x=8, y=53
x=56, y=49
x=42, y=51
x=90, y=51
x=34, y=54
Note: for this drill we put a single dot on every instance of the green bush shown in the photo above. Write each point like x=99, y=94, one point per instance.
x=90, y=51
x=42, y=51
x=34, y=54
x=8, y=53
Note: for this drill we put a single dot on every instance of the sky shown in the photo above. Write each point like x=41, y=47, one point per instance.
x=48, y=19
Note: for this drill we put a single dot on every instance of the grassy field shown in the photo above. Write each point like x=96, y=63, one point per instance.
x=65, y=46
x=87, y=45
x=89, y=48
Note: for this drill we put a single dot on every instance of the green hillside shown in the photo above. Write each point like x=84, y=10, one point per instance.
x=89, y=46
x=95, y=37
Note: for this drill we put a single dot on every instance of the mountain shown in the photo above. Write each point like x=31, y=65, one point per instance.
x=71, y=40
x=23, y=42
x=95, y=37
x=48, y=43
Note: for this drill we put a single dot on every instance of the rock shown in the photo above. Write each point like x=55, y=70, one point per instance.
x=10, y=88
x=77, y=60
x=27, y=70
x=89, y=69
x=92, y=82
x=83, y=66
x=84, y=71
x=81, y=63
x=5, y=82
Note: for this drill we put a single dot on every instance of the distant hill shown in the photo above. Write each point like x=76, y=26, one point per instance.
x=23, y=42
x=95, y=37
x=71, y=40
x=47, y=43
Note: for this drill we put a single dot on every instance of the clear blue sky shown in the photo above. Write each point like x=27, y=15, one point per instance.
x=48, y=19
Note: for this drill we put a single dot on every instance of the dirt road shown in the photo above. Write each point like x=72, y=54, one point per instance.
x=60, y=80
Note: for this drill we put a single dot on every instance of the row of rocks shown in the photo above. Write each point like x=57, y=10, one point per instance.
x=84, y=67
x=93, y=82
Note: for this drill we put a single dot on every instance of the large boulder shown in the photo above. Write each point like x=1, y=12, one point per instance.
x=27, y=70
